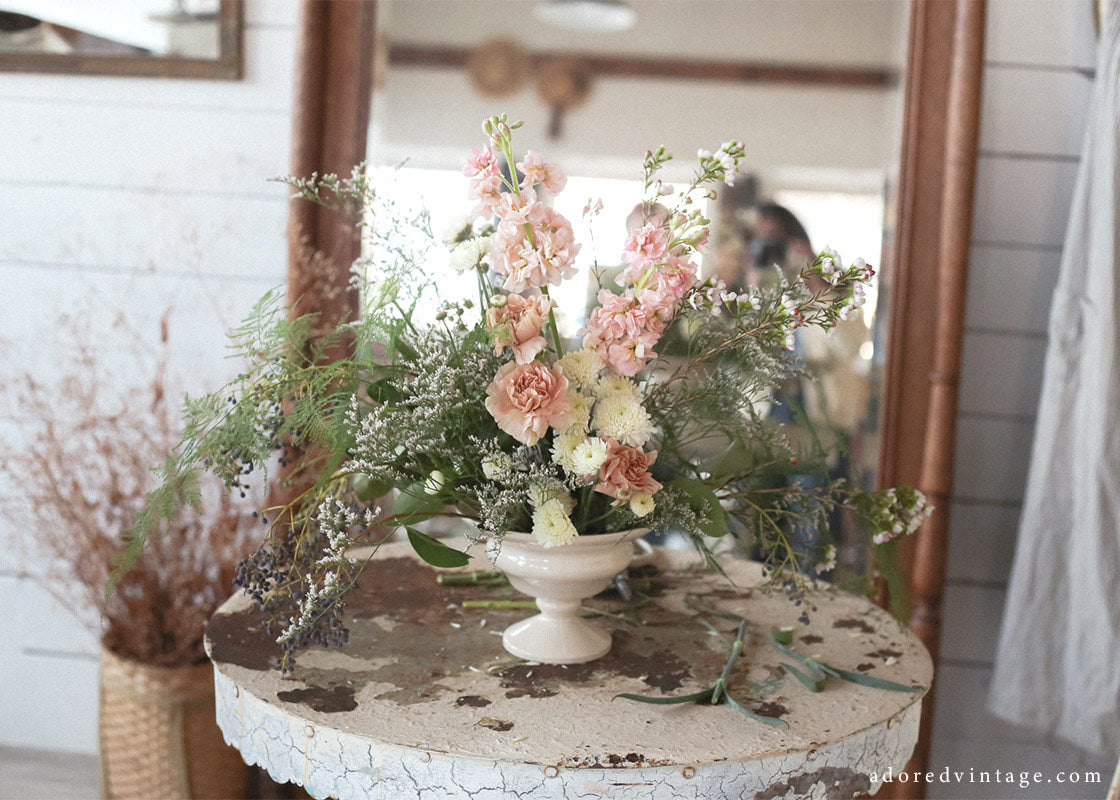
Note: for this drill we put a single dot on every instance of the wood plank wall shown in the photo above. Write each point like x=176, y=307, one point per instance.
x=1038, y=56
x=131, y=196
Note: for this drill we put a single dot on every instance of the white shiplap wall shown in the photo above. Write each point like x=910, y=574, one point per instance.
x=1037, y=79
x=128, y=196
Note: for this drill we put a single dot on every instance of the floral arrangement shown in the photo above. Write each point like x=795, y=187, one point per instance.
x=83, y=467
x=479, y=408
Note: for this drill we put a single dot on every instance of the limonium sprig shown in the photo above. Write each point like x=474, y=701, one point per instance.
x=476, y=408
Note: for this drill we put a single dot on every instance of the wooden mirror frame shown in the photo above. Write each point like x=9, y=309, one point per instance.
x=227, y=66
x=929, y=250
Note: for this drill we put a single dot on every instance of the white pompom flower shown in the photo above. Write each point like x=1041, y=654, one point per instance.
x=551, y=524
x=582, y=368
x=623, y=418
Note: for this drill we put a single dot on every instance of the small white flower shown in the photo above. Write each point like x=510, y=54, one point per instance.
x=623, y=418
x=581, y=411
x=497, y=466
x=829, y=560
x=469, y=254
x=642, y=503
x=458, y=230
x=551, y=524
x=611, y=385
x=588, y=456
x=564, y=446
x=582, y=368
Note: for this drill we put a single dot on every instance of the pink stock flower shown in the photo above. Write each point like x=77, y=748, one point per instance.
x=626, y=472
x=533, y=246
x=517, y=323
x=526, y=399
x=623, y=330
x=481, y=162
x=645, y=247
x=486, y=188
x=536, y=171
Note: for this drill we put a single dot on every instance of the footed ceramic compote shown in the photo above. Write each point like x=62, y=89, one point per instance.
x=560, y=578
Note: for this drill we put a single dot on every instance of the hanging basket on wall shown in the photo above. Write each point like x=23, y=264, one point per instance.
x=158, y=734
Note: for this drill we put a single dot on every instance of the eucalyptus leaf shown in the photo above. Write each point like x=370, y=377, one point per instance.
x=436, y=552
x=703, y=499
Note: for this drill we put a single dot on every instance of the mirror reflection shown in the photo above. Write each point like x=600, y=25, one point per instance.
x=132, y=28
x=811, y=88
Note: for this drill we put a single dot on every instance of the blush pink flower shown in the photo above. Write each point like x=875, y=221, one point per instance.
x=536, y=171
x=533, y=246
x=646, y=246
x=481, y=162
x=623, y=330
x=626, y=472
x=526, y=399
x=486, y=189
x=517, y=323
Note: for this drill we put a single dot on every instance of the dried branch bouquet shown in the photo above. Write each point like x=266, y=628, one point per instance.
x=78, y=476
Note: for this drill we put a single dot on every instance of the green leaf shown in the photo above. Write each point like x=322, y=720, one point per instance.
x=665, y=701
x=781, y=636
x=703, y=499
x=436, y=552
x=415, y=505
x=368, y=489
x=815, y=682
x=756, y=717
x=870, y=680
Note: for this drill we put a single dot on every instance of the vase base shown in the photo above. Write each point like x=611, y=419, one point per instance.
x=569, y=640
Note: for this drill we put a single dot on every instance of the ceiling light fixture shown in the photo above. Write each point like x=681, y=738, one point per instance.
x=597, y=16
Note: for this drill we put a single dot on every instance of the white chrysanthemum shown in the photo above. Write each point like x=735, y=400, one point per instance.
x=622, y=417
x=467, y=255
x=458, y=230
x=613, y=385
x=551, y=524
x=497, y=466
x=582, y=368
x=588, y=456
x=543, y=493
x=642, y=503
x=564, y=445
x=581, y=411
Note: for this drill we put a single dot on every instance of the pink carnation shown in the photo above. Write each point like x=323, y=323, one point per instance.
x=533, y=246
x=626, y=472
x=536, y=171
x=526, y=399
x=518, y=324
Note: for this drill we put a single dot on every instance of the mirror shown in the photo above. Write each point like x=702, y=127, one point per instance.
x=812, y=89
x=158, y=38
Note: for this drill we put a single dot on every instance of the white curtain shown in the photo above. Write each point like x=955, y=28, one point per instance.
x=1058, y=666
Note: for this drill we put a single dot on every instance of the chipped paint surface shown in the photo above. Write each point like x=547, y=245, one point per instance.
x=413, y=707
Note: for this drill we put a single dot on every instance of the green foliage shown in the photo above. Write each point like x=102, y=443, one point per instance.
x=435, y=552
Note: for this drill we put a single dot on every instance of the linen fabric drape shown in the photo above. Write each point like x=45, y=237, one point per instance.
x=1058, y=665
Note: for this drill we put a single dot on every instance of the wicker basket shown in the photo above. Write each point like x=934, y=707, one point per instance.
x=158, y=737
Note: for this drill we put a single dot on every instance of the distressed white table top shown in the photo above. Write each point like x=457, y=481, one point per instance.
x=424, y=702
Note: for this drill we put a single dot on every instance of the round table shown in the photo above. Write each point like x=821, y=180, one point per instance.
x=423, y=702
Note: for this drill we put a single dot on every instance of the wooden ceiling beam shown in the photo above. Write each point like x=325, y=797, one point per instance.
x=620, y=66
